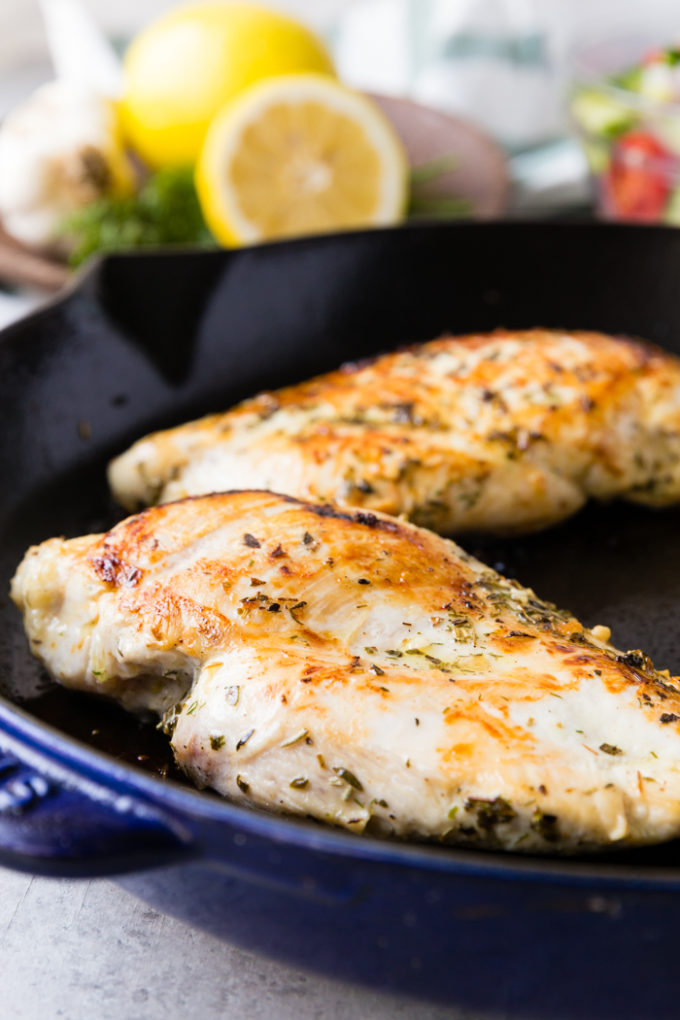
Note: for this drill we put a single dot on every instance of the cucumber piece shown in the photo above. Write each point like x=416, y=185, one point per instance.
x=599, y=114
x=672, y=212
x=666, y=127
x=597, y=152
x=657, y=83
x=629, y=80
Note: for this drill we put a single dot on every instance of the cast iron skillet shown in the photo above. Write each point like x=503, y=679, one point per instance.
x=148, y=341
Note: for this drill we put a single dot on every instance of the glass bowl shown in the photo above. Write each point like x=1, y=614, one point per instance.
x=625, y=108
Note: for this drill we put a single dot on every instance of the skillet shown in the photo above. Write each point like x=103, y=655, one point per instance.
x=146, y=341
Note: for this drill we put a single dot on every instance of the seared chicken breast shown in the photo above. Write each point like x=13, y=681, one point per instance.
x=508, y=431
x=355, y=668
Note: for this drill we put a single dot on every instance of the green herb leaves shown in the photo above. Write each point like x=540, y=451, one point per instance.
x=164, y=211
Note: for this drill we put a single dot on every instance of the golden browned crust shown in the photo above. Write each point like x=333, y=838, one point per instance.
x=505, y=431
x=291, y=646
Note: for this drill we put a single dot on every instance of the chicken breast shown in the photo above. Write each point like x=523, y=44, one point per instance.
x=508, y=431
x=363, y=671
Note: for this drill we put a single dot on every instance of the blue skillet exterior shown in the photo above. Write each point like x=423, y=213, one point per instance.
x=142, y=341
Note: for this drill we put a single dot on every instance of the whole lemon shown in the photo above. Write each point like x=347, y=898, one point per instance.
x=186, y=65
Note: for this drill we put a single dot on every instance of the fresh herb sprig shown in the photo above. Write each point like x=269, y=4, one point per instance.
x=165, y=211
x=425, y=202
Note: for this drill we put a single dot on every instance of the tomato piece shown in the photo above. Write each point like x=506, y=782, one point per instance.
x=653, y=57
x=640, y=178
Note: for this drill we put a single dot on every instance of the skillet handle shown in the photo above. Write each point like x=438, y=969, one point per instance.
x=67, y=828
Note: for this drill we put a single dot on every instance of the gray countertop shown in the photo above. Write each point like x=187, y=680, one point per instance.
x=88, y=950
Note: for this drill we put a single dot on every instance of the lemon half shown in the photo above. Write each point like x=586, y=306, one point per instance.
x=185, y=66
x=300, y=154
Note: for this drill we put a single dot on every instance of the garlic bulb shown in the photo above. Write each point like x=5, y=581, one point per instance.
x=59, y=151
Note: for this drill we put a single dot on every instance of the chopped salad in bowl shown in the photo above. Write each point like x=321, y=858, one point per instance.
x=629, y=124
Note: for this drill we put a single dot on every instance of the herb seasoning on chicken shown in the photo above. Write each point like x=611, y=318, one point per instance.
x=507, y=431
x=439, y=700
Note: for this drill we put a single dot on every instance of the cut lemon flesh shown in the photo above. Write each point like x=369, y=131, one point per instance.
x=299, y=154
x=186, y=65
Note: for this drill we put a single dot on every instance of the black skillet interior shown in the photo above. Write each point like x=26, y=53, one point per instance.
x=145, y=341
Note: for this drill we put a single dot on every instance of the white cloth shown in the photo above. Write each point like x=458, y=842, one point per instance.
x=13, y=306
